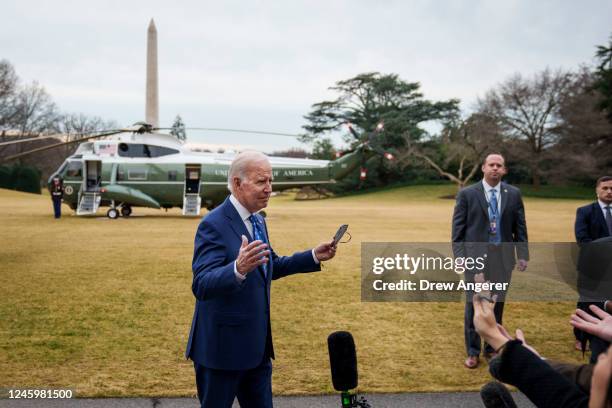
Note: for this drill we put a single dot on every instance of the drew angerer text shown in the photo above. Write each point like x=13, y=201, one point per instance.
x=424, y=284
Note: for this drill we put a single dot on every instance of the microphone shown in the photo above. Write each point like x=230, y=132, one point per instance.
x=343, y=364
x=495, y=395
x=342, y=360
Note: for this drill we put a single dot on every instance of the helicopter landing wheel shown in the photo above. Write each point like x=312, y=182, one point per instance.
x=126, y=211
x=112, y=214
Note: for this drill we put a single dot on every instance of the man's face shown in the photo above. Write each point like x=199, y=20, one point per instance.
x=604, y=191
x=493, y=169
x=255, y=189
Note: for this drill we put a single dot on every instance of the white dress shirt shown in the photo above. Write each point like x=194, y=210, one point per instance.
x=603, y=206
x=244, y=215
x=487, y=190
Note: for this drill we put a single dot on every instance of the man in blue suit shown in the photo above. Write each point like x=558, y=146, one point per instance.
x=230, y=341
x=594, y=221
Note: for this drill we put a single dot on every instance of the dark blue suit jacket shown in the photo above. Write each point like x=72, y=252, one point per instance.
x=231, y=323
x=590, y=224
x=470, y=231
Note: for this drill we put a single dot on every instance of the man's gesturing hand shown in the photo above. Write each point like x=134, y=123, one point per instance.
x=251, y=255
x=325, y=251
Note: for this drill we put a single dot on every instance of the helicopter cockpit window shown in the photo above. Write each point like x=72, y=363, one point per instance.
x=74, y=169
x=60, y=171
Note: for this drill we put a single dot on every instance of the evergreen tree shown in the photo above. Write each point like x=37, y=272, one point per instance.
x=178, y=129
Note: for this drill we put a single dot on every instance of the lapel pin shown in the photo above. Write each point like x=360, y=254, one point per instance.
x=505, y=191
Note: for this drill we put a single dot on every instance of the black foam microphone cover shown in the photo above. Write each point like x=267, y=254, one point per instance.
x=342, y=360
x=496, y=395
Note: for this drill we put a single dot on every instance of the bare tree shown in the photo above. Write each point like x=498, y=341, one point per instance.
x=527, y=110
x=8, y=90
x=584, y=150
x=75, y=126
x=458, y=152
x=36, y=112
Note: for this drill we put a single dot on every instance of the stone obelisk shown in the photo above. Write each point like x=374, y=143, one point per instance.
x=152, y=98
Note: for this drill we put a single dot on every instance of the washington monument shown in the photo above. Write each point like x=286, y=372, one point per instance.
x=152, y=96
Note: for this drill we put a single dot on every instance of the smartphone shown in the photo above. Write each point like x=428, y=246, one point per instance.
x=340, y=233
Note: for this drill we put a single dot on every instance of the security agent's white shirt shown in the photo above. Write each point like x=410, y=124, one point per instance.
x=244, y=215
x=603, y=206
x=487, y=190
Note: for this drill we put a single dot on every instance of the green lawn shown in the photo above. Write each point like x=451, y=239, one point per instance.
x=105, y=306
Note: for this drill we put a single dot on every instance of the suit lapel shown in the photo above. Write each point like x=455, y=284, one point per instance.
x=481, y=199
x=235, y=221
x=599, y=216
x=503, y=193
x=237, y=225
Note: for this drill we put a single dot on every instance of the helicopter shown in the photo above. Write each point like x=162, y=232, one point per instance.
x=139, y=167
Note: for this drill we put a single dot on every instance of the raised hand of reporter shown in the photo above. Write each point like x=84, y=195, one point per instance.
x=251, y=255
x=484, y=317
x=601, y=327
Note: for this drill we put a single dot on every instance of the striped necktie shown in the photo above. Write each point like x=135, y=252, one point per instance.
x=609, y=219
x=494, y=218
x=258, y=234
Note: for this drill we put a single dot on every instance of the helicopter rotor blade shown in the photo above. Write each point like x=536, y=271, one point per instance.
x=58, y=135
x=256, y=132
x=53, y=146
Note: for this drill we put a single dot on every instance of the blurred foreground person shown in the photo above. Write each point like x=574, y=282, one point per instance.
x=520, y=365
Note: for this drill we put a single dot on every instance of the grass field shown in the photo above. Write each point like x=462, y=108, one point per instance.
x=104, y=307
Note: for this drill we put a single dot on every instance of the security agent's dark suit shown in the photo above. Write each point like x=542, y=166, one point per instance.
x=470, y=238
x=590, y=226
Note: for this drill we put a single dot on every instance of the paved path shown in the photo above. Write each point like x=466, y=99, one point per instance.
x=420, y=400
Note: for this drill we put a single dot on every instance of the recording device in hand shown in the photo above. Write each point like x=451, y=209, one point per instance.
x=340, y=233
x=343, y=364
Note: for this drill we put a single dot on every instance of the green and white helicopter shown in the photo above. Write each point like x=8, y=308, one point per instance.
x=139, y=167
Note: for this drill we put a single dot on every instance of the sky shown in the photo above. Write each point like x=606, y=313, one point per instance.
x=262, y=64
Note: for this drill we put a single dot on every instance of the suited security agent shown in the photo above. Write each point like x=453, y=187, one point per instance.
x=593, y=222
x=489, y=219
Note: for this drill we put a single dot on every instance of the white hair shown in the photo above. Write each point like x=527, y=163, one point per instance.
x=240, y=164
